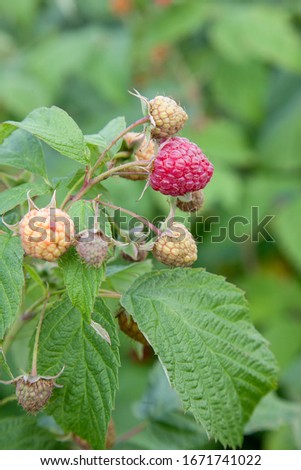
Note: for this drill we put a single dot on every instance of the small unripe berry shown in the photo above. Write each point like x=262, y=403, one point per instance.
x=144, y=151
x=128, y=325
x=169, y=118
x=92, y=248
x=46, y=233
x=179, y=168
x=177, y=249
x=196, y=202
x=33, y=393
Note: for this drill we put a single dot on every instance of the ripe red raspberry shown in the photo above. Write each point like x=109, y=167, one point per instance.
x=144, y=151
x=46, y=233
x=33, y=392
x=179, y=168
x=196, y=202
x=92, y=248
x=130, y=327
x=168, y=116
x=177, y=249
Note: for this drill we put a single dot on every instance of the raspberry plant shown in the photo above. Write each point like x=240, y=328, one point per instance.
x=196, y=322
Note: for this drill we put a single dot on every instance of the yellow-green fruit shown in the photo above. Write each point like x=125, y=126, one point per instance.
x=46, y=233
x=130, y=327
x=177, y=249
x=168, y=116
x=33, y=395
x=197, y=201
x=144, y=153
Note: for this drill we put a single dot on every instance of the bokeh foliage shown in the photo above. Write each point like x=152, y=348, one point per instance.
x=236, y=68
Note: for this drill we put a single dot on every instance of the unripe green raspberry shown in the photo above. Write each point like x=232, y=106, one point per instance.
x=168, y=116
x=178, y=249
x=33, y=393
x=197, y=200
x=130, y=327
x=92, y=248
x=144, y=151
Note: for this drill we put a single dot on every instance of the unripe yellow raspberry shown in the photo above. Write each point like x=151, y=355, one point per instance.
x=177, y=249
x=46, y=233
x=33, y=393
x=128, y=325
x=144, y=151
x=168, y=116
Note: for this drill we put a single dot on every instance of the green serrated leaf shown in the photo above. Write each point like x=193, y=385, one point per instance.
x=85, y=402
x=82, y=281
x=83, y=214
x=12, y=197
x=106, y=135
x=11, y=280
x=33, y=273
x=5, y=131
x=23, y=150
x=272, y=413
x=199, y=326
x=4, y=365
x=55, y=127
x=120, y=277
x=23, y=433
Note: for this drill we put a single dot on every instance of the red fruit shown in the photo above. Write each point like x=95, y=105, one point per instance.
x=180, y=167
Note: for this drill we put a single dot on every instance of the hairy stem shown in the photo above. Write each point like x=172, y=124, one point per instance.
x=136, y=216
x=131, y=433
x=86, y=187
x=109, y=293
x=37, y=338
x=141, y=121
x=69, y=194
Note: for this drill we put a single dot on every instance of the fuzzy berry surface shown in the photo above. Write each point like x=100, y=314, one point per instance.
x=168, y=116
x=179, y=168
x=128, y=325
x=33, y=396
x=177, y=249
x=92, y=248
x=46, y=233
x=196, y=202
x=143, y=153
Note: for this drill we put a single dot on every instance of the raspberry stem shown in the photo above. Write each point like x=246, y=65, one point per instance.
x=143, y=120
x=97, y=179
x=34, y=370
x=109, y=293
x=133, y=214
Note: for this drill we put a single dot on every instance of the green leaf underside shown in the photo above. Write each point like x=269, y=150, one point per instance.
x=14, y=196
x=106, y=135
x=55, y=127
x=82, y=281
x=272, y=413
x=23, y=433
x=199, y=326
x=89, y=380
x=24, y=151
x=11, y=280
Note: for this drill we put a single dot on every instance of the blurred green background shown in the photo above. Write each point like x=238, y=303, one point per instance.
x=236, y=68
